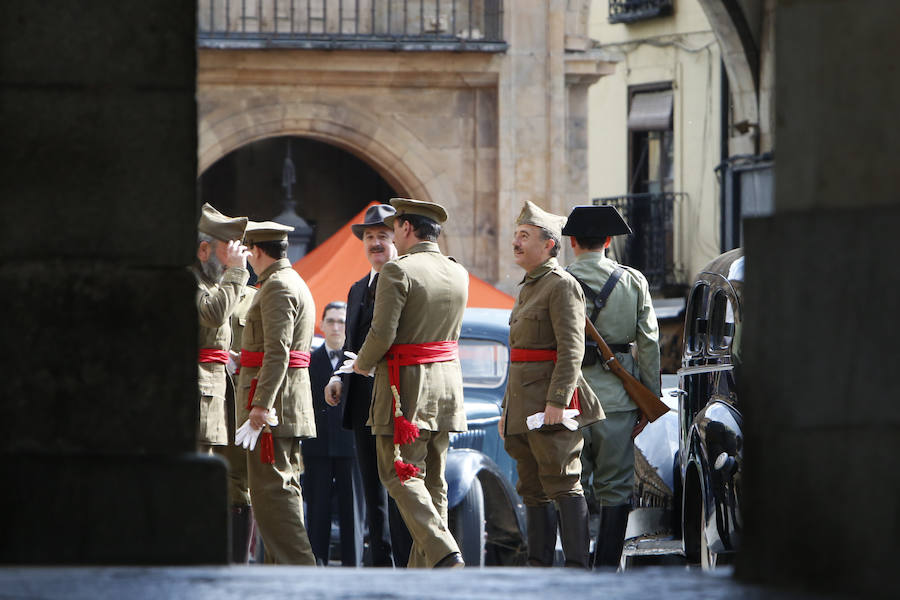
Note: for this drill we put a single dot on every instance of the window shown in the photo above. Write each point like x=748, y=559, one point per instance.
x=484, y=363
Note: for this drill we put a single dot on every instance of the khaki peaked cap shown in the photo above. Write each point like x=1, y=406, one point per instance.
x=217, y=225
x=266, y=231
x=408, y=206
x=532, y=214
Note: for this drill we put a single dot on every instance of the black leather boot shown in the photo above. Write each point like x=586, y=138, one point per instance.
x=611, y=539
x=541, y=534
x=573, y=530
x=241, y=526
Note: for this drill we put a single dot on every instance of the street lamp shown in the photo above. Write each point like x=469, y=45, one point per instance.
x=300, y=238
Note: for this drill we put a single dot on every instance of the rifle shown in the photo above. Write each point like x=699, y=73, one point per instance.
x=646, y=401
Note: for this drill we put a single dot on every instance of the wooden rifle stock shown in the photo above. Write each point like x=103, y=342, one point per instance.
x=646, y=401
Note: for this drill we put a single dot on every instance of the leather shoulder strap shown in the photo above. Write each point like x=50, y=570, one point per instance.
x=599, y=298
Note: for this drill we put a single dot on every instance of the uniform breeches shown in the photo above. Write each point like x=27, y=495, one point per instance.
x=548, y=464
x=421, y=500
x=238, y=484
x=609, y=457
x=278, y=503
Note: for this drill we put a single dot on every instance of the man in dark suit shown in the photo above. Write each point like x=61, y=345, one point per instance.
x=387, y=535
x=330, y=457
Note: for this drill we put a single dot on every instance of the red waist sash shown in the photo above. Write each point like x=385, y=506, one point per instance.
x=528, y=355
x=212, y=355
x=298, y=359
x=402, y=355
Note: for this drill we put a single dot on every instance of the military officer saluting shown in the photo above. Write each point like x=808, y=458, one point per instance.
x=619, y=305
x=221, y=272
x=412, y=347
x=546, y=337
x=275, y=394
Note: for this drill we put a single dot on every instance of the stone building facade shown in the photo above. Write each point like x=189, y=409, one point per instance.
x=476, y=112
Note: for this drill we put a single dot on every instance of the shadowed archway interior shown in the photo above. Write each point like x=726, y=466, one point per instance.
x=328, y=184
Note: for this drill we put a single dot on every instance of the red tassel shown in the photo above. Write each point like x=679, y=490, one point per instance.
x=266, y=448
x=404, y=431
x=253, y=383
x=405, y=470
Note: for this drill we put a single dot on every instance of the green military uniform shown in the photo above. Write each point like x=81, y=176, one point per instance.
x=215, y=301
x=627, y=317
x=549, y=315
x=281, y=319
x=421, y=297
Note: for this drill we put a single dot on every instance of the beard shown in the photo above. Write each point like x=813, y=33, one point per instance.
x=213, y=268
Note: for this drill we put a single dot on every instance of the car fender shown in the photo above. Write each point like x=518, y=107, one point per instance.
x=463, y=466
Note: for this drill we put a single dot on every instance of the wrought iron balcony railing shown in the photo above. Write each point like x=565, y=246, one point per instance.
x=474, y=25
x=628, y=11
x=650, y=249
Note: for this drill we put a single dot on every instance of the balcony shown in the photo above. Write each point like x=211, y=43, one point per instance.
x=410, y=25
x=650, y=249
x=629, y=11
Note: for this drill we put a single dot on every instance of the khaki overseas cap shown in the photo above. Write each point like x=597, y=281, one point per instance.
x=217, y=225
x=408, y=206
x=266, y=231
x=532, y=214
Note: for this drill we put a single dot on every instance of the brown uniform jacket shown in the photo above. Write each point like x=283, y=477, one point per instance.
x=548, y=315
x=421, y=297
x=215, y=303
x=280, y=319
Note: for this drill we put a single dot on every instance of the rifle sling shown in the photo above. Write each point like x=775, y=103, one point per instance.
x=599, y=298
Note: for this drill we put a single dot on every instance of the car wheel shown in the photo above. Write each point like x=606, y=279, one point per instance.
x=707, y=556
x=467, y=525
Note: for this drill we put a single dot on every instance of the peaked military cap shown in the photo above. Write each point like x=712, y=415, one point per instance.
x=375, y=216
x=596, y=221
x=532, y=214
x=217, y=225
x=408, y=206
x=266, y=231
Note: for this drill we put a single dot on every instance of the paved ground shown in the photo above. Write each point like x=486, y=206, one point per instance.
x=245, y=583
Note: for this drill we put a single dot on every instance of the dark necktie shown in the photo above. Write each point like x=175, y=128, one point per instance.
x=370, y=298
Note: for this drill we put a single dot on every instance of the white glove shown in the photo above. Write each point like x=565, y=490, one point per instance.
x=347, y=367
x=536, y=421
x=232, y=365
x=246, y=435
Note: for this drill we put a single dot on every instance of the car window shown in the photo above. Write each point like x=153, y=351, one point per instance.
x=721, y=326
x=484, y=362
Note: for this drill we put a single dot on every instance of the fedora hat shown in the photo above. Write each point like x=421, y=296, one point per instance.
x=375, y=216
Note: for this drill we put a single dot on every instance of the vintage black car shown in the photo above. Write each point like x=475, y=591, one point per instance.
x=486, y=514
x=710, y=451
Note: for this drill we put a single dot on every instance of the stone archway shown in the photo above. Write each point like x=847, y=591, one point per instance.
x=388, y=147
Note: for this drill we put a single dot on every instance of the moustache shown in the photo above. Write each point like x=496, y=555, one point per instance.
x=378, y=248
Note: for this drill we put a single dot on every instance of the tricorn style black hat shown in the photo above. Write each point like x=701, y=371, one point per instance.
x=375, y=215
x=595, y=221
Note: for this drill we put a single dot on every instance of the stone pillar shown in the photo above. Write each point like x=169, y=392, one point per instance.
x=99, y=332
x=818, y=386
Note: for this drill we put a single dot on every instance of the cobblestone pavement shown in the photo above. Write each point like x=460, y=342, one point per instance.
x=242, y=583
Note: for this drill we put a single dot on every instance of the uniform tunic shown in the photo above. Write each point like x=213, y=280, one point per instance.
x=628, y=316
x=215, y=303
x=421, y=298
x=280, y=319
x=548, y=315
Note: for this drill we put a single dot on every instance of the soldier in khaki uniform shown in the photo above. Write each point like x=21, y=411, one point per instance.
x=412, y=346
x=546, y=337
x=238, y=484
x=274, y=359
x=221, y=275
x=627, y=318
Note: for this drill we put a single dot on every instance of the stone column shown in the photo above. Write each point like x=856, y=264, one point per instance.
x=818, y=387
x=99, y=331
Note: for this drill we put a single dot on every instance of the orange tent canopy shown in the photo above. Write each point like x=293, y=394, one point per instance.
x=332, y=267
